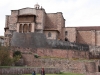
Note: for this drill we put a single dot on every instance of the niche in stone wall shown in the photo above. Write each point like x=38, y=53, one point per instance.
x=20, y=28
x=66, y=33
x=49, y=34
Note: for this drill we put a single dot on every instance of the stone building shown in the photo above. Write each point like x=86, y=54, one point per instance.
x=34, y=20
x=33, y=31
x=84, y=35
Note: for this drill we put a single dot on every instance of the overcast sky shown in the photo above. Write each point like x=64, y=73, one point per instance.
x=76, y=12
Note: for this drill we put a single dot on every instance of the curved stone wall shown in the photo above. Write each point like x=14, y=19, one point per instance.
x=29, y=40
x=38, y=40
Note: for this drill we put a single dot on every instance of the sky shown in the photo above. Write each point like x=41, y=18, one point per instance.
x=77, y=13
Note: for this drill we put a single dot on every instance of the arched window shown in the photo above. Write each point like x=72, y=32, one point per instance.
x=25, y=28
x=49, y=34
x=30, y=27
x=20, y=28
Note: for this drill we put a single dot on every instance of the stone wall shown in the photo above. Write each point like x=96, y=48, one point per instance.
x=63, y=64
x=90, y=37
x=39, y=40
x=56, y=53
x=55, y=66
x=94, y=52
x=29, y=40
x=27, y=70
x=54, y=34
x=86, y=67
x=84, y=37
x=27, y=11
x=87, y=35
x=65, y=60
x=97, y=38
x=71, y=34
x=59, y=44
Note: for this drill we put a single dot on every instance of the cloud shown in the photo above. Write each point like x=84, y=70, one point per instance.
x=86, y=15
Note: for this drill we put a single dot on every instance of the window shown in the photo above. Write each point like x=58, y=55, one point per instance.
x=49, y=34
x=66, y=33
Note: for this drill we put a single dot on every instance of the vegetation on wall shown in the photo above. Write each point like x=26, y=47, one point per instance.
x=5, y=56
x=36, y=56
x=16, y=56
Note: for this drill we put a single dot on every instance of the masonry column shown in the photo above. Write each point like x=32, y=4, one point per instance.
x=93, y=41
x=33, y=27
x=17, y=27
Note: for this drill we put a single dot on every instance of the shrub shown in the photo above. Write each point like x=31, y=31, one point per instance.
x=36, y=56
x=5, y=58
x=16, y=53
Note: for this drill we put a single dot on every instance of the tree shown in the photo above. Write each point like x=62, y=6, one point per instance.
x=5, y=59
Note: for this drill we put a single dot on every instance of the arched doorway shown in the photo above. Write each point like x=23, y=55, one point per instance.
x=30, y=27
x=25, y=28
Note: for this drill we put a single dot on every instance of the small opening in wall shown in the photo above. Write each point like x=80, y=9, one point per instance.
x=98, y=68
x=66, y=39
x=49, y=34
x=66, y=33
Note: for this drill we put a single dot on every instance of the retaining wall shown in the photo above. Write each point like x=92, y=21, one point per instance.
x=27, y=70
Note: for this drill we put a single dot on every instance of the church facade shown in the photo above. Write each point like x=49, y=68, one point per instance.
x=36, y=20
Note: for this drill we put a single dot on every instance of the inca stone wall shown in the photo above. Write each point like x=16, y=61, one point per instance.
x=86, y=67
x=38, y=40
x=29, y=40
x=58, y=53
